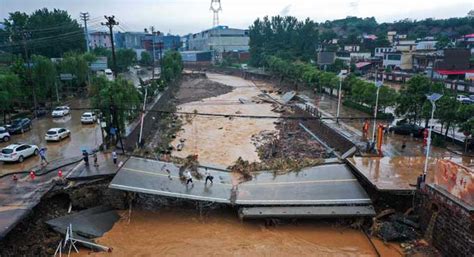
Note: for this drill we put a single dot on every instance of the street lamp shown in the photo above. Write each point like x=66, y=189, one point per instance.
x=378, y=85
x=432, y=98
x=342, y=75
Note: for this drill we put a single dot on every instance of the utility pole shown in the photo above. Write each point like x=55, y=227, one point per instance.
x=152, y=28
x=85, y=18
x=27, y=58
x=110, y=24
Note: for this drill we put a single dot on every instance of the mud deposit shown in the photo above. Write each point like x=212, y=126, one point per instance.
x=220, y=233
x=196, y=89
x=222, y=140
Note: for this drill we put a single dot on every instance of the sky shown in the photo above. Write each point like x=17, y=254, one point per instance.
x=189, y=16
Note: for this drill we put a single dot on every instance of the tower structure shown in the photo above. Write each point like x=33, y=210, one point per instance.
x=216, y=7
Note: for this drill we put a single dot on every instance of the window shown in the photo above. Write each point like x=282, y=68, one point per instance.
x=394, y=57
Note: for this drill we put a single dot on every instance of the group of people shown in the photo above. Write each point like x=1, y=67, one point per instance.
x=189, y=178
x=85, y=157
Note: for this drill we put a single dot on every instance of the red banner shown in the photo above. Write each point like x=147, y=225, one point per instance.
x=456, y=179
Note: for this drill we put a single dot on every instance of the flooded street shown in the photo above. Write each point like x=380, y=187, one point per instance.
x=184, y=233
x=220, y=140
x=82, y=136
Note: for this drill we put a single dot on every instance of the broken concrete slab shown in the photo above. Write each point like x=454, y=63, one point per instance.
x=90, y=223
x=288, y=96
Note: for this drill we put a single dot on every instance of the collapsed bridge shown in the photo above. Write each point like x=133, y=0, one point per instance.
x=328, y=190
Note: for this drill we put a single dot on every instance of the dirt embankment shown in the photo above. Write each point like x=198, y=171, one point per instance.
x=196, y=89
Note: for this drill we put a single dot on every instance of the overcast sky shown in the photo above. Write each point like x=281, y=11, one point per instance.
x=185, y=16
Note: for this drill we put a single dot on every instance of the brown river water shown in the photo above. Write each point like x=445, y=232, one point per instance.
x=221, y=233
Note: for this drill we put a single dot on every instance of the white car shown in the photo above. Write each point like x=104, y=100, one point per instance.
x=18, y=152
x=109, y=74
x=4, y=135
x=88, y=117
x=60, y=111
x=464, y=99
x=57, y=134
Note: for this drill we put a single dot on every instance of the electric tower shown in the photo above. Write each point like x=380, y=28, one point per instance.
x=215, y=8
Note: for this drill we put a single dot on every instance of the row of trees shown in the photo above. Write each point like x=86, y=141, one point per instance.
x=22, y=84
x=410, y=102
x=47, y=33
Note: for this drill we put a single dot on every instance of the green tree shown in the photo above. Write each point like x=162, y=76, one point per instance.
x=119, y=93
x=43, y=74
x=78, y=65
x=125, y=59
x=412, y=98
x=446, y=111
x=172, y=66
x=10, y=85
x=146, y=59
x=48, y=33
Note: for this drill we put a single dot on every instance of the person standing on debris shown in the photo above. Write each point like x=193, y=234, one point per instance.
x=96, y=164
x=208, y=176
x=85, y=155
x=42, y=154
x=189, y=178
x=114, y=157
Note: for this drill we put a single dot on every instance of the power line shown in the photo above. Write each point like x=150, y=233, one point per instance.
x=36, y=40
x=222, y=115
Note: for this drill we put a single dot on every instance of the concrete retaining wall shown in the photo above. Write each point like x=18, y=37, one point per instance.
x=453, y=231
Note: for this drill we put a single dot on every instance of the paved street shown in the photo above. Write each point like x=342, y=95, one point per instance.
x=392, y=143
x=82, y=136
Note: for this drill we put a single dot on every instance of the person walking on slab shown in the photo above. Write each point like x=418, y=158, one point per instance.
x=189, y=178
x=208, y=176
x=114, y=157
x=42, y=154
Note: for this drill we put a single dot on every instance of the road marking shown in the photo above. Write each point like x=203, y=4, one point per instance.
x=301, y=182
x=144, y=190
x=253, y=184
x=303, y=201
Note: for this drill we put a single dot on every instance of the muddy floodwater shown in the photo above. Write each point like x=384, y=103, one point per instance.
x=184, y=233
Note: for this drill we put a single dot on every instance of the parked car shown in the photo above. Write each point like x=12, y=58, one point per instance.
x=472, y=97
x=407, y=129
x=19, y=126
x=464, y=99
x=88, y=117
x=41, y=112
x=57, y=134
x=109, y=74
x=4, y=135
x=60, y=111
x=18, y=152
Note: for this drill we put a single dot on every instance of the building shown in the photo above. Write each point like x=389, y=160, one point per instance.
x=405, y=46
x=467, y=41
x=380, y=51
x=162, y=42
x=455, y=64
x=398, y=60
x=426, y=45
x=352, y=48
x=219, y=39
x=196, y=57
x=99, y=39
x=129, y=40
